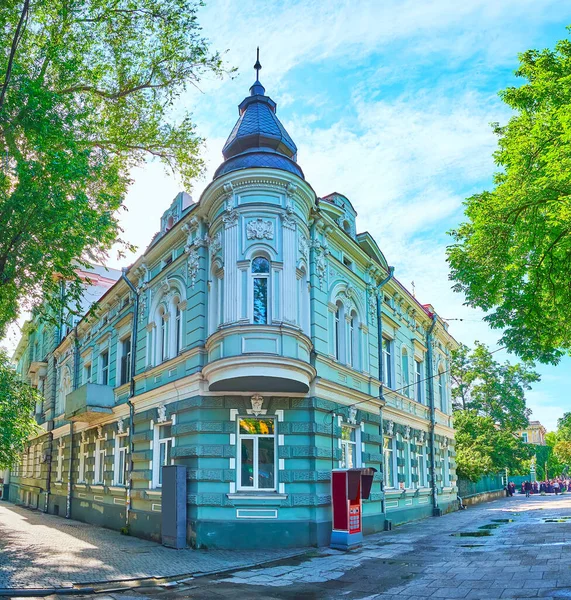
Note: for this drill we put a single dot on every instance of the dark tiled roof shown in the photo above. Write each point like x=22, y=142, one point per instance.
x=258, y=139
x=258, y=159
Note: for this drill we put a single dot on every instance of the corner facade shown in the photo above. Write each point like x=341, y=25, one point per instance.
x=265, y=326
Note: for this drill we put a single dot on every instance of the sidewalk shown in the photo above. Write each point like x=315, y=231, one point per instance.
x=39, y=550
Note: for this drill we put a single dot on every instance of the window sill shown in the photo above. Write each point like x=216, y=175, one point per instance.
x=117, y=488
x=97, y=487
x=256, y=499
x=80, y=485
x=156, y=493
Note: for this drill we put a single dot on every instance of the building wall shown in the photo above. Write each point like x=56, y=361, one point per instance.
x=196, y=288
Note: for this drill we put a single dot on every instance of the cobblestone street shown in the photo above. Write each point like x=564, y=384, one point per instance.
x=522, y=549
x=39, y=550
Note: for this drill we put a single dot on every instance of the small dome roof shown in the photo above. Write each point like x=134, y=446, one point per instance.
x=258, y=139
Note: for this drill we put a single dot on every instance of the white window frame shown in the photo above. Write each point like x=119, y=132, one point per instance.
x=177, y=327
x=127, y=362
x=345, y=444
x=524, y=437
x=418, y=381
x=99, y=474
x=83, y=454
x=304, y=316
x=119, y=473
x=104, y=369
x=393, y=454
x=405, y=372
x=37, y=461
x=442, y=390
x=388, y=371
x=268, y=277
x=157, y=443
x=59, y=470
x=163, y=336
x=446, y=468
x=423, y=467
x=87, y=372
x=255, y=437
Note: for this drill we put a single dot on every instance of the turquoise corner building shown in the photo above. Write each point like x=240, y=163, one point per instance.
x=247, y=343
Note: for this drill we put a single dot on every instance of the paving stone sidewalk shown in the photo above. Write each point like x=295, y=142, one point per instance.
x=524, y=556
x=39, y=550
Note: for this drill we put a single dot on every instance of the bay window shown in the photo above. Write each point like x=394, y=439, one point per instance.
x=256, y=454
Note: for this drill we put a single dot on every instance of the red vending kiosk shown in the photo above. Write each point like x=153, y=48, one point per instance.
x=348, y=488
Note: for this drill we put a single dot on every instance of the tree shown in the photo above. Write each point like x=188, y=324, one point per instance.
x=564, y=427
x=17, y=402
x=513, y=254
x=562, y=451
x=483, y=448
x=88, y=90
x=491, y=389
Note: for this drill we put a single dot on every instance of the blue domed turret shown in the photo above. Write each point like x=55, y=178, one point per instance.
x=258, y=138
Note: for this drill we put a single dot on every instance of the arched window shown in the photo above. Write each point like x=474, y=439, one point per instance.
x=339, y=330
x=177, y=326
x=442, y=390
x=353, y=346
x=261, y=284
x=405, y=373
x=164, y=334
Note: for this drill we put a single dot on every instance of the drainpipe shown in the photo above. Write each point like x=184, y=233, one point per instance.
x=131, y=392
x=75, y=384
x=49, y=475
x=381, y=369
x=432, y=416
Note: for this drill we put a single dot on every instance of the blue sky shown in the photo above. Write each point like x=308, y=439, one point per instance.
x=389, y=103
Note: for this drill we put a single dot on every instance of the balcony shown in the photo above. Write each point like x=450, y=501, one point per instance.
x=37, y=370
x=89, y=403
x=256, y=358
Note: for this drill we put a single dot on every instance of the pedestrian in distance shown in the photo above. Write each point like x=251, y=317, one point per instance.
x=527, y=488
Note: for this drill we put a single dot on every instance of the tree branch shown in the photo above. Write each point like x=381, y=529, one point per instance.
x=15, y=41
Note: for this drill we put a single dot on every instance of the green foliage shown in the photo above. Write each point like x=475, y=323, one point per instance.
x=554, y=465
x=17, y=402
x=495, y=390
x=482, y=448
x=89, y=90
x=564, y=427
x=562, y=451
x=513, y=254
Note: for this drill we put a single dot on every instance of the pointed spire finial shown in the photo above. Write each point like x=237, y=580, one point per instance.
x=257, y=66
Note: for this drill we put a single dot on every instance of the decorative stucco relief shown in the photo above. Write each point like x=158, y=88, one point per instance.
x=260, y=229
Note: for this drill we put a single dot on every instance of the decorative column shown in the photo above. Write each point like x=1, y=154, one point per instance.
x=230, y=246
x=289, y=284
